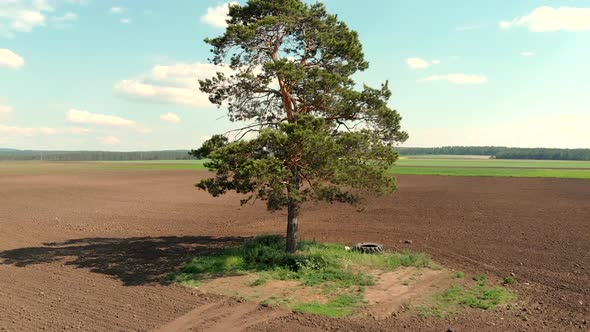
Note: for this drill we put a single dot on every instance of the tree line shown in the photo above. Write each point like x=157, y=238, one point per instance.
x=93, y=155
x=500, y=152
x=492, y=151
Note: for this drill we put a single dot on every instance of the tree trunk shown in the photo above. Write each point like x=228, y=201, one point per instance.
x=293, y=207
x=292, y=226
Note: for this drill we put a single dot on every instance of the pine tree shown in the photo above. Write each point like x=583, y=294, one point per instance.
x=309, y=133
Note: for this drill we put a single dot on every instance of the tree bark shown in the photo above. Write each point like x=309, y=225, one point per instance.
x=293, y=208
x=292, y=226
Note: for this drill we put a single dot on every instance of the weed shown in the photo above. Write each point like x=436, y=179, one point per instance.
x=448, y=303
x=341, y=306
x=426, y=312
x=214, y=265
x=483, y=297
x=258, y=282
x=342, y=278
x=510, y=281
x=274, y=301
x=458, y=275
x=188, y=280
x=481, y=279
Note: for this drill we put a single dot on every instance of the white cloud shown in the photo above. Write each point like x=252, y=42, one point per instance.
x=174, y=84
x=126, y=20
x=85, y=117
x=26, y=15
x=24, y=131
x=170, y=117
x=547, y=19
x=217, y=16
x=117, y=10
x=435, y=62
x=4, y=109
x=80, y=130
x=457, y=79
x=39, y=4
x=109, y=140
x=25, y=21
x=417, y=63
x=66, y=18
x=10, y=59
x=527, y=53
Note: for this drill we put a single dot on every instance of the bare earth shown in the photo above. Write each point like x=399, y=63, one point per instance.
x=90, y=249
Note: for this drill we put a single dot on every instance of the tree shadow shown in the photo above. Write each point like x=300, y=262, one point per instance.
x=135, y=261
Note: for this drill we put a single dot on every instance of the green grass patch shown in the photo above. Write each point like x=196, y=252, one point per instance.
x=337, y=272
x=458, y=275
x=314, y=264
x=341, y=306
x=433, y=166
x=481, y=296
x=215, y=265
x=184, y=279
x=275, y=301
x=481, y=278
x=510, y=281
x=259, y=281
x=443, y=167
x=493, y=167
x=493, y=172
x=452, y=161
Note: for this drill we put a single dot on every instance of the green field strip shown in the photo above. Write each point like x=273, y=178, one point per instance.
x=495, y=163
x=494, y=172
x=426, y=167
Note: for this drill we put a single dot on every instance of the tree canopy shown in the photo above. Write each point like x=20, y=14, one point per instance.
x=308, y=133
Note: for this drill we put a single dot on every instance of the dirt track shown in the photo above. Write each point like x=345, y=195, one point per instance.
x=89, y=249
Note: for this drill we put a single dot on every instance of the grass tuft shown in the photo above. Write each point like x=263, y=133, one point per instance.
x=485, y=297
x=481, y=279
x=481, y=296
x=214, y=265
x=259, y=282
x=510, y=281
x=341, y=306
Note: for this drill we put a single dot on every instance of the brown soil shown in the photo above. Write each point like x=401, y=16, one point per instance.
x=391, y=292
x=405, y=286
x=90, y=249
x=226, y=315
x=271, y=292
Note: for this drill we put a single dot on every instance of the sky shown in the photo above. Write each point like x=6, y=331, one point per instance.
x=122, y=74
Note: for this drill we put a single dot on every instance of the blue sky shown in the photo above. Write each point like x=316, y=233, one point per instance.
x=121, y=75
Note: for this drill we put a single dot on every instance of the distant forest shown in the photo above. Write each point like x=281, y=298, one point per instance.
x=497, y=152
x=500, y=152
x=10, y=154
